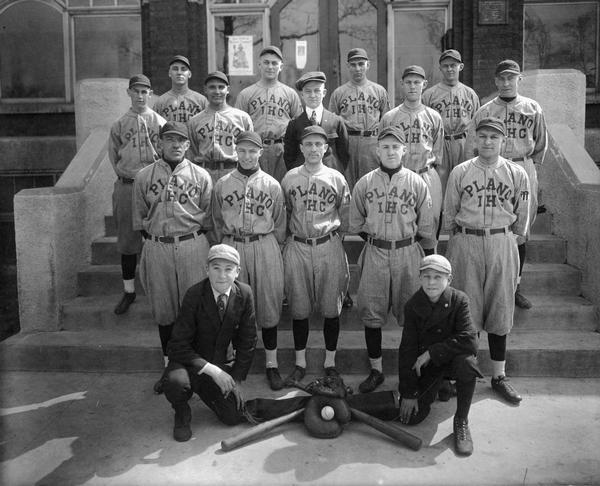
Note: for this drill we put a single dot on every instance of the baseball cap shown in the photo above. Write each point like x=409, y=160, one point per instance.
x=452, y=54
x=181, y=59
x=437, y=263
x=357, y=53
x=508, y=66
x=217, y=75
x=313, y=130
x=272, y=50
x=493, y=123
x=392, y=132
x=418, y=70
x=174, y=127
x=223, y=252
x=310, y=76
x=139, y=79
x=248, y=136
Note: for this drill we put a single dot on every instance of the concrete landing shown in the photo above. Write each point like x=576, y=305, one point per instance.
x=110, y=429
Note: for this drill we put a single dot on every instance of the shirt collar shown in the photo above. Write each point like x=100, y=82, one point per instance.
x=216, y=294
x=318, y=109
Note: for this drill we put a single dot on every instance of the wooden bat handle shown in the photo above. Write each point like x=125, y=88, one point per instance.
x=389, y=429
x=258, y=431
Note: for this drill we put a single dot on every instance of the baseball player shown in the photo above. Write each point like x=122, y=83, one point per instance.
x=249, y=214
x=456, y=103
x=171, y=206
x=526, y=142
x=316, y=270
x=390, y=209
x=424, y=134
x=131, y=146
x=271, y=105
x=361, y=103
x=213, y=130
x=180, y=103
x=486, y=205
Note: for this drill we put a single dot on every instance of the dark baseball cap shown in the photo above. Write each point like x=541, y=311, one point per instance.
x=493, y=123
x=313, y=130
x=181, y=59
x=139, y=79
x=310, y=76
x=418, y=70
x=175, y=128
x=217, y=75
x=248, y=136
x=357, y=53
x=508, y=66
x=452, y=54
x=271, y=50
x=392, y=132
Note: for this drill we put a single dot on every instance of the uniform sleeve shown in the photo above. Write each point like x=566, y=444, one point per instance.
x=241, y=102
x=344, y=206
x=452, y=201
x=470, y=141
x=358, y=210
x=217, y=213
x=333, y=104
x=408, y=353
x=341, y=143
x=206, y=202
x=438, y=140
x=114, y=141
x=426, y=97
x=521, y=202
x=541, y=139
x=295, y=105
x=140, y=204
x=248, y=125
x=279, y=215
x=384, y=104
x=424, y=211
x=244, y=341
x=193, y=150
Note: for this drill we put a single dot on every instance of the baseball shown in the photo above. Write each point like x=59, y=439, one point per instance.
x=327, y=413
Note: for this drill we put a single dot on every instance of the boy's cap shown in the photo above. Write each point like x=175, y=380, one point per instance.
x=313, y=130
x=437, y=263
x=310, y=76
x=508, y=66
x=181, y=59
x=271, y=50
x=493, y=123
x=217, y=75
x=176, y=128
x=139, y=79
x=452, y=54
x=418, y=70
x=248, y=136
x=392, y=132
x=357, y=53
x=223, y=252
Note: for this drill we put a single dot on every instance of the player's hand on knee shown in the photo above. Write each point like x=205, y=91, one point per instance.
x=408, y=407
x=422, y=360
x=223, y=379
x=239, y=396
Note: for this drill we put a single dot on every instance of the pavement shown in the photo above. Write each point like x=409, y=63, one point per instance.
x=110, y=429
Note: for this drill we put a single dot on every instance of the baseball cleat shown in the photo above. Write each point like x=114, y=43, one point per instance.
x=463, y=443
x=126, y=301
x=274, y=378
x=372, y=381
x=502, y=386
x=521, y=301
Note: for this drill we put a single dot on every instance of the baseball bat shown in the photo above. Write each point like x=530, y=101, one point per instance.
x=258, y=431
x=389, y=429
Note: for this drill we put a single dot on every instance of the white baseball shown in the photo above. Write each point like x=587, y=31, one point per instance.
x=327, y=413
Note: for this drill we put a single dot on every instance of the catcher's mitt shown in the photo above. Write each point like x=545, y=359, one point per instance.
x=328, y=386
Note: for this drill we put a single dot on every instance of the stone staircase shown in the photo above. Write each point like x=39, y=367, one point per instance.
x=557, y=337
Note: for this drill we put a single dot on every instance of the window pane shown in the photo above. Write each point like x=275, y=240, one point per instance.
x=108, y=46
x=31, y=52
x=358, y=28
x=562, y=36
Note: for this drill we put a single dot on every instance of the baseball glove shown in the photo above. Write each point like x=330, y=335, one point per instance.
x=327, y=386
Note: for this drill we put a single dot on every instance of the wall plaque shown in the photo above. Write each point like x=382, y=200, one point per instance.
x=493, y=12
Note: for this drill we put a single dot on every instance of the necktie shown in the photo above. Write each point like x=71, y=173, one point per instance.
x=313, y=118
x=221, y=304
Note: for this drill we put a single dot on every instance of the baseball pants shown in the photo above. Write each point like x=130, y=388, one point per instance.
x=454, y=154
x=129, y=242
x=363, y=158
x=271, y=161
x=432, y=179
x=529, y=167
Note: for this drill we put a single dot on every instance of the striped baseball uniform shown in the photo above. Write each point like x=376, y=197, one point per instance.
x=361, y=107
x=180, y=107
x=271, y=109
x=249, y=214
x=173, y=208
x=393, y=213
x=484, y=208
x=316, y=269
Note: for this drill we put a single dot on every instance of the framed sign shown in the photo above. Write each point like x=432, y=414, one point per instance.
x=240, y=55
x=493, y=12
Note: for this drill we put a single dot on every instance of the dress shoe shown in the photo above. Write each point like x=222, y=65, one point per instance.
x=372, y=381
x=348, y=302
x=275, y=380
x=126, y=301
x=502, y=386
x=331, y=371
x=463, y=443
x=520, y=300
x=295, y=376
x=182, y=432
x=160, y=384
x=446, y=391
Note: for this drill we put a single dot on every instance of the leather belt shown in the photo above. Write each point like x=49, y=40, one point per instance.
x=246, y=239
x=270, y=141
x=363, y=133
x=175, y=239
x=518, y=159
x=219, y=164
x=456, y=136
x=391, y=245
x=483, y=232
x=422, y=170
x=315, y=241
x=126, y=180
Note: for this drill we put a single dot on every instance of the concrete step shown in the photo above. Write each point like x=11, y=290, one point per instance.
x=541, y=353
x=540, y=249
x=554, y=312
x=538, y=279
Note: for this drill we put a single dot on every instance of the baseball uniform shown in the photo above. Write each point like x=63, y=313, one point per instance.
x=180, y=106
